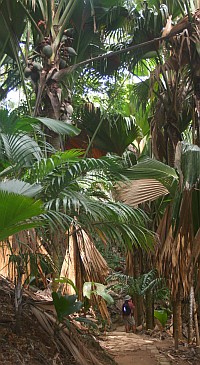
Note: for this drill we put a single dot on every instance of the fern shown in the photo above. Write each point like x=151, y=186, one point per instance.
x=139, y=286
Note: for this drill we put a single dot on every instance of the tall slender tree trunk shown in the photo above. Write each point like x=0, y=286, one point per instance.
x=18, y=299
x=133, y=269
x=149, y=304
x=139, y=309
x=177, y=320
x=191, y=307
x=139, y=301
x=196, y=323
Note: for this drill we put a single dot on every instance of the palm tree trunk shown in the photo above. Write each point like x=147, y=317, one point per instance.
x=18, y=299
x=191, y=306
x=133, y=269
x=196, y=323
x=139, y=312
x=177, y=320
x=149, y=310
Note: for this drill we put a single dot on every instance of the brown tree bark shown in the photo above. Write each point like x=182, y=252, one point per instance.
x=149, y=304
x=191, y=307
x=177, y=320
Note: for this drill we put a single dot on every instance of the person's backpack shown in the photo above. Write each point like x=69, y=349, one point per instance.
x=126, y=310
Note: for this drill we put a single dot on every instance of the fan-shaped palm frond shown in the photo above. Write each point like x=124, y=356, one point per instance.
x=17, y=213
x=19, y=149
x=113, y=133
x=20, y=187
x=148, y=168
x=140, y=191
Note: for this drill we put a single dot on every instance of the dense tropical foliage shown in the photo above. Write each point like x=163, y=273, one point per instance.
x=104, y=150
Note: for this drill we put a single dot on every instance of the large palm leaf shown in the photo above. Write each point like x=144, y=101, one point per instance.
x=17, y=213
x=79, y=187
x=110, y=133
x=17, y=145
x=137, y=192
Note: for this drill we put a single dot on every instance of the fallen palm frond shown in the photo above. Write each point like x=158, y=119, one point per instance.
x=66, y=338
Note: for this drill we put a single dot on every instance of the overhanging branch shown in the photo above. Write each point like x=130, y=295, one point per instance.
x=58, y=75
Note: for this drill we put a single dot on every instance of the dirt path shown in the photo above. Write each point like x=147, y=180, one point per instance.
x=132, y=349
x=138, y=349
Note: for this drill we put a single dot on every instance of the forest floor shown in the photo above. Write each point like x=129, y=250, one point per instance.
x=34, y=347
x=142, y=349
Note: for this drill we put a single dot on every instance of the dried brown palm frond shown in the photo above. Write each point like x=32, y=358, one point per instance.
x=67, y=339
x=178, y=80
x=172, y=110
x=196, y=247
x=136, y=192
x=174, y=255
x=63, y=337
x=23, y=244
x=82, y=263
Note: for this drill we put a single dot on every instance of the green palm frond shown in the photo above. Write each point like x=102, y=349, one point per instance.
x=70, y=190
x=117, y=222
x=20, y=187
x=12, y=17
x=66, y=177
x=47, y=166
x=140, y=285
x=56, y=221
x=140, y=93
x=148, y=168
x=65, y=167
x=19, y=149
x=188, y=156
x=57, y=126
x=11, y=76
x=17, y=213
x=12, y=47
x=11, y=123
x=115, y=132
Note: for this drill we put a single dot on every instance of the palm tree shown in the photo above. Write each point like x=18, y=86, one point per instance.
x=173, y=86
x=178, y=230
x=59, y=35
x=69, y=186
x=173, y=82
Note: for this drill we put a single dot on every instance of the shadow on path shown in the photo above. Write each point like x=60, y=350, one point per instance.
x=132, y=349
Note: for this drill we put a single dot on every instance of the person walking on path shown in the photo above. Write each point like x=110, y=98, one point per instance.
x=128, y=314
